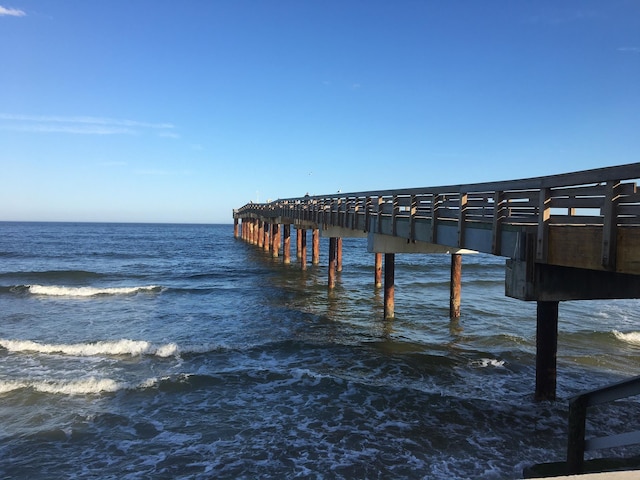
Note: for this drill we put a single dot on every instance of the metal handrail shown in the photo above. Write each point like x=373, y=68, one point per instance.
x=576, y=444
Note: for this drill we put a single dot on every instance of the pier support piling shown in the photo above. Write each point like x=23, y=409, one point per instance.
x=339, y=254
x=315, y=247
x=332, y=262
x=303, y=249
x=286, y=244
x=546, y=350
x=378, y=270
x=455, y=285
x=389, y=288
x=275, y=237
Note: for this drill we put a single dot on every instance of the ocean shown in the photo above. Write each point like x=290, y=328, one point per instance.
x=133, y=351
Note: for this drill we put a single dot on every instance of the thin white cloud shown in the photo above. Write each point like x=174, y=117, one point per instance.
x=157, y=172
x=168, y=135
x=629, y=49
x=114, y=163
x=11, y=12
x=77, y=125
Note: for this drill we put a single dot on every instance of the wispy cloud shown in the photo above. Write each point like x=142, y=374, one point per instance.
x=157, y=172
x=629, y=49
x=77, y=125
x=11, y=12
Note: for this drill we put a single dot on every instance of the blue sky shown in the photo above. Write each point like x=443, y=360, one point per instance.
x=158, y=111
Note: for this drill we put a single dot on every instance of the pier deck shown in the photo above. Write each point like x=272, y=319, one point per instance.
x=573, y=236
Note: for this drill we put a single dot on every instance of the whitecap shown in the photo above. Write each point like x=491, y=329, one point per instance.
x=62, y=291
x=631, y=337
x=84, y=386
x=118, y=347
x=488, y=362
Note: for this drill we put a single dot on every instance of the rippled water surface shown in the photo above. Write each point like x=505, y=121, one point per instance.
x=177, y=351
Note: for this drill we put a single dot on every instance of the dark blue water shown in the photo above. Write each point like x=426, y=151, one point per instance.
x=177, y=351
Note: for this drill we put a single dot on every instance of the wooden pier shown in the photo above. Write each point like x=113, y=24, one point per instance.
x=574, y=236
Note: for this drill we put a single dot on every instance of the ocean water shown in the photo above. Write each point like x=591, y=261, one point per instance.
x=176, y=351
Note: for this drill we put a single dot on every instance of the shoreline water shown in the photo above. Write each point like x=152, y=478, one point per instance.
x=236, y=366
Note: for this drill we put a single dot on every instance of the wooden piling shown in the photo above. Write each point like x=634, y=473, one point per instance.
x=332, y=262
x=275, y=247
x=339, y=254
x=389, y=288
x=260, y=241
x=315, y=247
x=299, y=242
x=286, y=244
x=235, y=228
x=546, y=350
x=455, y=285
x=266, y=242
x=303, y=249
x=378, y=270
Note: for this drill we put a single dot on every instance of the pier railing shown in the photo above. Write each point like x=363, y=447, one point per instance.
x=604, y=200
x=577, y=445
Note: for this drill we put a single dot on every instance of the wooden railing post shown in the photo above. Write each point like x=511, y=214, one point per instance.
x=462, y=217
x=433, y=234
x=544, y=215
x=610, y=226
x=498, y=216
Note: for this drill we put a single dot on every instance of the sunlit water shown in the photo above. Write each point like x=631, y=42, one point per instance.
x=177, y=351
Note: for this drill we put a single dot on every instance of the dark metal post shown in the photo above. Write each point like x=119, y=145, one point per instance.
x=575, y=443
x=546, y=350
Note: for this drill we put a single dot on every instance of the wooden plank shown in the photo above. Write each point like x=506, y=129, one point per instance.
x=628, y=253
x=573, y=246
x=573, y=202
x=576, y=220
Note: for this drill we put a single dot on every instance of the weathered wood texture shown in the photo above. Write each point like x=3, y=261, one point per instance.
x=588, y=219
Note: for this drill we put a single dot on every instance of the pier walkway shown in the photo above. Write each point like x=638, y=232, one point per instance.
x=574, y=236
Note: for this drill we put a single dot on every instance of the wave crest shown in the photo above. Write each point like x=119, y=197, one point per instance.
x=84, y=386
x=62, y=291
x=631, y=337
x=119, y=347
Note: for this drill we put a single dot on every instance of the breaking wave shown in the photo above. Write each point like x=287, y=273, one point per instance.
x=631, y=337
x=62, y=291
x=118, y=347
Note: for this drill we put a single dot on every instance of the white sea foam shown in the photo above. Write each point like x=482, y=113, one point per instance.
x=83, y=386
x=631, y=337
x=62, y=291
x=488, y=362
x=118, y=347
